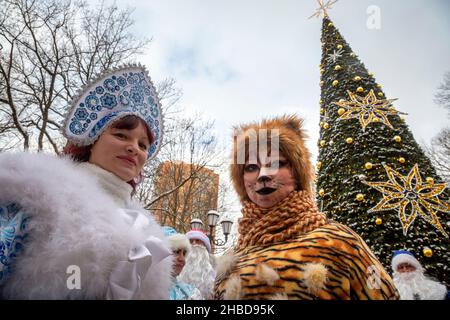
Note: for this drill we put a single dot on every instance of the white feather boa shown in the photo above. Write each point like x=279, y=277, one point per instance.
x=73, y=221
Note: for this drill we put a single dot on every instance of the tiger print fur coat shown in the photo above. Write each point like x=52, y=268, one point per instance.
x=331, y=262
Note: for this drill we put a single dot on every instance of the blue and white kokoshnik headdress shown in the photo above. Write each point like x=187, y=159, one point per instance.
x=116, y=93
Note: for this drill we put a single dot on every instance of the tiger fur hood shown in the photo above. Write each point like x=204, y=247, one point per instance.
x=289, y=131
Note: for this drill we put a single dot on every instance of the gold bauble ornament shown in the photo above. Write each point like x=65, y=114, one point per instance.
x=326, y=125
x=427, y=252
x=360, y=89
x=402, y=118
x=368, y=165
x=330, y=24
x=337, y=68
x=322, y=71
x=319, y=165
x=401, y=160
x=429, y=180
x=352, y=54
x=335, y=83
x=349, y=140
x=378, y=85
x=380, y=94
x=321, y=101
x=321, y=192
x=378, y=221
x=376, y=120
x=321, y=83
x=360, y=197
x=397, y=139
x=370, y=74
x=321, y=124
x=323, y=143
x=339, y=46
x=357, y=78
x=341, y=111
x=322, y=110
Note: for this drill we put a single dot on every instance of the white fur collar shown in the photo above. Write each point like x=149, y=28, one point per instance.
x=73, y=221
x=112, y=184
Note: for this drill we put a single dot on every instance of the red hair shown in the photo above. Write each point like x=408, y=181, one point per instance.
x=83, y=153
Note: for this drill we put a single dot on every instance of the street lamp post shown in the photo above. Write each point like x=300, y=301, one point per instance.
x=213, y=217
x=196, y=224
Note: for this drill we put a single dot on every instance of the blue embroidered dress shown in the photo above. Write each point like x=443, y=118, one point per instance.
x=12, y=235
x=184, y=291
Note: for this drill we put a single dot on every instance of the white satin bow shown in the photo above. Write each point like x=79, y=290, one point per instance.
x=126, y=277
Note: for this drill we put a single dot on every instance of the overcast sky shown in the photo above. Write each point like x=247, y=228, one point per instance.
x=241, y=60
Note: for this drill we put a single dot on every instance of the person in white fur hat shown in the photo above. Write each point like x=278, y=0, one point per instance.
x=69, y=227
x=181, y=248
x=410, y=281
x=199, y=270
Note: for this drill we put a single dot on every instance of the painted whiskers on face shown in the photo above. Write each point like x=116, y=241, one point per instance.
x=269, y=181
x=273, y=185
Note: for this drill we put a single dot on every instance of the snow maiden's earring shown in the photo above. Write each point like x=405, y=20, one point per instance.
x=139, y=178
x=112, y=95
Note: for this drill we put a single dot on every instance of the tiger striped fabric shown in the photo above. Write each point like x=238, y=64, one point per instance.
x=352, y=271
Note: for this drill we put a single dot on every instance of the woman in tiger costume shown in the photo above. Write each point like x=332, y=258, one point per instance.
x=287, y=249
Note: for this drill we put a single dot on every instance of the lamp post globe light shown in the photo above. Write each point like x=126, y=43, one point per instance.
x=196, y=224
x=213, y=218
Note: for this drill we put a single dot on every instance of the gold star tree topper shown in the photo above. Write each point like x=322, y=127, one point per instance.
x=323, y=7
x=411, y=197
x=367, y=109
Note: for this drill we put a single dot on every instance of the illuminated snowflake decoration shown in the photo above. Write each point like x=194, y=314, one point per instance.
x=334, y=56
x=367, y=109
x=411, y=196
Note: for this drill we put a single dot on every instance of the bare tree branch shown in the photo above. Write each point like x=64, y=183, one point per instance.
x=442, y=96
x=439, y=153
x=50, y=49
x=181, y=179
x=439, y=150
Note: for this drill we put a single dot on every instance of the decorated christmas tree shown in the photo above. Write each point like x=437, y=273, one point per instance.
x=371, y=174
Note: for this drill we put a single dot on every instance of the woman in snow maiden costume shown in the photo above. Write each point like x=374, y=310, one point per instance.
x=287, y=249
x=69, y=227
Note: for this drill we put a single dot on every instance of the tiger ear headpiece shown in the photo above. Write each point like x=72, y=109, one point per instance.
x=291, y=139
